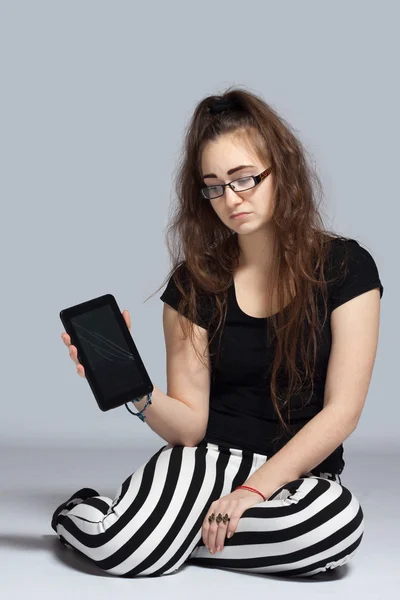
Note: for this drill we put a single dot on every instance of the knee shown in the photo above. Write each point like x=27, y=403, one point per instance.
x=339, y=505
x=343, y=525
x=344, y=505
x=346, y=517
x=347, y=502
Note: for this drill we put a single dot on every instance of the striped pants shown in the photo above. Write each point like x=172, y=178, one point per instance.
x=154, y=524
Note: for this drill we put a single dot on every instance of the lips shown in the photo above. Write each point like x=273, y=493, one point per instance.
x=237, y=214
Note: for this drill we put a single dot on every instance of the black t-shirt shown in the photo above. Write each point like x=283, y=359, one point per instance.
x=241, y=412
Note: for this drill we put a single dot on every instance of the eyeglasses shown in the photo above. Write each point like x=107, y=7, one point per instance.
x=238, y=185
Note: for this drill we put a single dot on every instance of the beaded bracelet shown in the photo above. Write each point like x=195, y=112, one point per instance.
x=140, y=413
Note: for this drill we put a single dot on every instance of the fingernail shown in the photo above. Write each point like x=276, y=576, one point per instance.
x=218, y=548
x=230, y=534
x=211, y=552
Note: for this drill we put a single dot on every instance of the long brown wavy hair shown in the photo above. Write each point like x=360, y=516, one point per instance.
x=210, y=250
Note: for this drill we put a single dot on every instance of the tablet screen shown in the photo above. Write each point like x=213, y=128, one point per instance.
x=107, y=353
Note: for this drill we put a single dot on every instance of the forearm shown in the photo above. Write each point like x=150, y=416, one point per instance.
x=304, y=451
x=171, y=419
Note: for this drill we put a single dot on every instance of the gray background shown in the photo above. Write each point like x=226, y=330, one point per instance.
x=94, y=99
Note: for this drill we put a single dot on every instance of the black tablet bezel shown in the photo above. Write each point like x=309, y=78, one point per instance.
x=79, y=309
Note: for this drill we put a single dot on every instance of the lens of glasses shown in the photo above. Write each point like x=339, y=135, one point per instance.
x=240, y=185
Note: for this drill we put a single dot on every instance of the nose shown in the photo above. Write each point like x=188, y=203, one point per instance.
x=232, y=198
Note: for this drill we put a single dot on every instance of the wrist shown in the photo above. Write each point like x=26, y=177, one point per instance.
x=252, y=490
x=139, y=404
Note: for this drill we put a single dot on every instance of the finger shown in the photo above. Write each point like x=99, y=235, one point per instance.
x=231, y=525
x=73, y=352
x=65, y=338
x=80, y=369
x=205, y=538
x=206, y=531
x=221, y=535
x=127, y=318
x=220, y=538
x=212, y=535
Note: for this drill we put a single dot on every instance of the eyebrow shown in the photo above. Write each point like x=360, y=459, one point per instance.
x=230, y=171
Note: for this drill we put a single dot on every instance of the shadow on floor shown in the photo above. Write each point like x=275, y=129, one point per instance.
x=77, y=561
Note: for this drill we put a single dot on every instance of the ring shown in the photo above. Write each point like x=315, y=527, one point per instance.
x=220, y=518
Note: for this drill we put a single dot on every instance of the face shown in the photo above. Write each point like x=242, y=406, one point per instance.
x=223, y=155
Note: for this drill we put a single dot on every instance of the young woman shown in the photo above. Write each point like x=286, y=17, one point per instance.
x=271, y=330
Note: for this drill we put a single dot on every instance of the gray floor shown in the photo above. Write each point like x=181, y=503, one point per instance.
x=35, y=481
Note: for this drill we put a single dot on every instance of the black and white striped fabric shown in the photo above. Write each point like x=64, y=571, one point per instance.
x=153, y=526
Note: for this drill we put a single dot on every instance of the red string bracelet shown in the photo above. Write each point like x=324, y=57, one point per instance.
x=246, y=487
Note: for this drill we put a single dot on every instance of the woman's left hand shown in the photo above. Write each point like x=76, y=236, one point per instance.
x=234, y=504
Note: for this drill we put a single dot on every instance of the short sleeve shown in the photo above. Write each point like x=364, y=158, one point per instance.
x=360, y=276
x=172, y=296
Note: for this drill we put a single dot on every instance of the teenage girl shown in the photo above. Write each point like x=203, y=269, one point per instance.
x=271, y=331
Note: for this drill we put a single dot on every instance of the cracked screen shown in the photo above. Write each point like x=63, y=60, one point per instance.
x=107, y=353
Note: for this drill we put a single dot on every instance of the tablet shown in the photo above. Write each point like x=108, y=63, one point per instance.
x=113, y=367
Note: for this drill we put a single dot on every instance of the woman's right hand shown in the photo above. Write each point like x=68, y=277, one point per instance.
x=73, y=352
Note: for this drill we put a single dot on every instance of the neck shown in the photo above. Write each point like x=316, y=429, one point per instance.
x=256, y=251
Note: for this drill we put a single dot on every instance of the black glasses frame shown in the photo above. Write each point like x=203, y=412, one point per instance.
x=257, y=179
